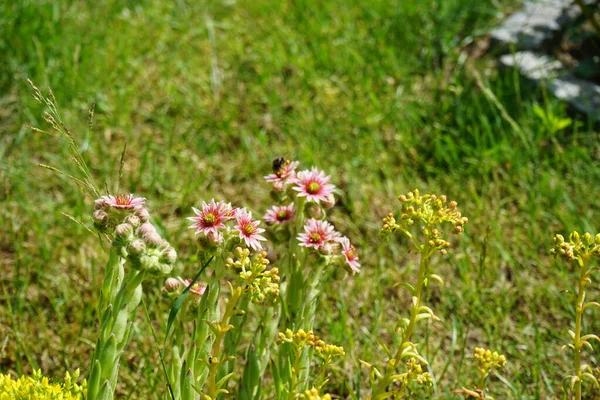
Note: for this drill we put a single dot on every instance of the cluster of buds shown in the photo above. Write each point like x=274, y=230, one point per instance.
x=329, y=351
x=432, y=212
x=38, y=386
x=260, y=284
x=126, y=219
x=578, y=246
x=415, y=374
x=313, y=394
x=302, y=338
x=487, y=360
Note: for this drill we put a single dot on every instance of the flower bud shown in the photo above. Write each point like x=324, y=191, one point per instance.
x=146, y=229
x=124, y=231
x=137, y=247
x=215, y=239
x=329, y=202
x=172, y=285
x=101, y=204
x=100, y=217
x=142, y=214
x=169, y=256
x=329, y=248
x=153, y=239
x=313, y=210
x=133, y=221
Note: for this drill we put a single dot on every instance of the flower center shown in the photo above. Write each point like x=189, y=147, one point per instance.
x=248, y=230
x=122, y=200
x=313, y=188
x=351, y=253
x=282, y=215
x=315, y=238
x=210, y=219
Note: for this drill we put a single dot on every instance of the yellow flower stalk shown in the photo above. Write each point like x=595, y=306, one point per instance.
x=430, y=213
x=579, y=249
x=300, y=342
x=487, y=361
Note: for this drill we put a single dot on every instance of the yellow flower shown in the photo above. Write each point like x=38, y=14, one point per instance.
x=313, y=394
x=38, y=387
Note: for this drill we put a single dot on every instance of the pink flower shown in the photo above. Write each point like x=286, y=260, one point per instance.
x=248, y=229
x=314, y=184
x=123, y=201
x=197, y=289
x=211, y=218
x=349, y=253
x=283, y=175
x=280, y=214
x=317, y=233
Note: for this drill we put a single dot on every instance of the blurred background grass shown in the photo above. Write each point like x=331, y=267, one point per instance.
x=384, y=95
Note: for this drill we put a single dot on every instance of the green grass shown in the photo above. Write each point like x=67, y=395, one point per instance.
x=382, y=95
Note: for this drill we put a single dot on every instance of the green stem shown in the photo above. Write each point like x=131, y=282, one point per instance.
x=295, y=367
x=222, y=328
x=425, y=255
x=115, y=329
x=578, y=321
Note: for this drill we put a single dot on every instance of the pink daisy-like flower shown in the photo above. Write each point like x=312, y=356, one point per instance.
x=283, y=175
x=350, y=254
x=280, y=214
x=248, y=229
x=124, y=201
x=197, y=289
x=317, y=233
x=211, y=217
x=314, y=184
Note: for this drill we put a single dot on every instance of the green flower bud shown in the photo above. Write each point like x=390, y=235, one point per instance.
x=169, y=256
x=124, y=231
x=100, y=218
x=137, y=247
x=133, y=221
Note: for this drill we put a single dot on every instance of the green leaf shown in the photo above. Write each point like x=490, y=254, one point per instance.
x=250, y=388
x=179, y=301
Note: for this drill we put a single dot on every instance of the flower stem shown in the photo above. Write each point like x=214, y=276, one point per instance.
x=425, y=254
x=115, y=329
x=222, y=328
x=578, y=320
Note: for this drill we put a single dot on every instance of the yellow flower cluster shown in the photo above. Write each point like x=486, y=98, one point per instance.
x=301, y=339
x=432, y=211
x=38, y=387
x=260, y=284
x=577, y=246
x=329, y=351
x=488, y=361
x=415, y=373
x=313, y=394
